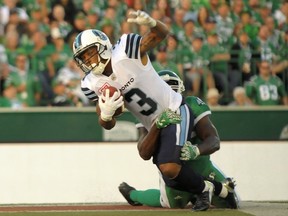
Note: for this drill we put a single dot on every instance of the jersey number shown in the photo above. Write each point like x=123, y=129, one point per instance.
x=268, y=92
x=144, y=100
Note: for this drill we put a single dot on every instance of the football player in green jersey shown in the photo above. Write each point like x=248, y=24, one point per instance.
x=196, y=152
x=265, y=88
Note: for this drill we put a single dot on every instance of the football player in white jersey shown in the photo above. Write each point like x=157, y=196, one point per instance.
x=127, y=67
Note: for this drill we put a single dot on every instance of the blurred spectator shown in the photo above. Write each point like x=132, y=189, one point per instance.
x=173, y=53
x=111, y=15
x=213, y=97
x=4, y=72
x=41, y=18
x=210, y=26
x=93, y=18
x=264, y=12
x=237, y=9
x=164, y=8
x=244, y=57
x=224, y=25
x=119, y=9
x=202, y=17
x=281, y=15
x=11, y=99
x=61, y=52
x=87, y=5
x=136, y=4
x=37, y=9
x=107, y=26
x=156, y=14
x=189, y=33
x=41, y=61
x=280, y=66
x=263, y=45
x=275, y=37
x=178, y=24
x=190, y=13
x=5, y=11
x=62, y=96
x=67, y=88
x=69, y=7
x=195, y=61
x=79, y=24
x=213, y=7
x=161, y=62
x=225, y=79
x=247, y=25
x=240, y=98
x=254, y=6
x=126, y=27
x=11, y=44
x=15, y=22
x=58, y=15
x=265, y=88
x=25, y=81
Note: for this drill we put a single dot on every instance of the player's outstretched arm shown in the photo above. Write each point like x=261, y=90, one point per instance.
x=158, y=30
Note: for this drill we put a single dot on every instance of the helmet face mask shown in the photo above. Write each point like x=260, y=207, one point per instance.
x=87, y=41
x=173, y=80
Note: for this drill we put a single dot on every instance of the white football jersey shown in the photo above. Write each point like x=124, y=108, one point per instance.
x=146, y=95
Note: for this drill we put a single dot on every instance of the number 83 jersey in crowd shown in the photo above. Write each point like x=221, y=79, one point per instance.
x=146, y=95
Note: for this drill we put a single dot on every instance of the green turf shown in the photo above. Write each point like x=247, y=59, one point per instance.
x=132, y=213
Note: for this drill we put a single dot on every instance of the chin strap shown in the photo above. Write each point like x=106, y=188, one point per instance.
x=98, y=69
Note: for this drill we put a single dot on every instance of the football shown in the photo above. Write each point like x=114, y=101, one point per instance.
x=111, y=92
x=112, y=89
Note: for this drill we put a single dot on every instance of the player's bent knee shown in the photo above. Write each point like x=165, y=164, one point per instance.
x=171, y=170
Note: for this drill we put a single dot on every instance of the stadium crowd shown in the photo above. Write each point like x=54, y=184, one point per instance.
x=228, y=52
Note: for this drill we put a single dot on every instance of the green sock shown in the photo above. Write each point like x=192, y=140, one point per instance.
x=150, y=197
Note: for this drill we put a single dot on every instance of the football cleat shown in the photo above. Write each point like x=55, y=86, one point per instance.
x=203, y=200
x=125, y=190
x=232, y=199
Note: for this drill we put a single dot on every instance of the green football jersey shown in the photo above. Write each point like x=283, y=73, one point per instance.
x=199, y=109
x=265, y=92
x=202, y=165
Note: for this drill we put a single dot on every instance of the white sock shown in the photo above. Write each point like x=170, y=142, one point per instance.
x=224, y=192
x=208, y=185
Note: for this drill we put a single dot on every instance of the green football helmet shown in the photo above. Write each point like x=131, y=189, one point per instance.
x=173, y=80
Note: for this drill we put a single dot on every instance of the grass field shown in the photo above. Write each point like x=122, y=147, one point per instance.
x=132, y=213
x=116, y=209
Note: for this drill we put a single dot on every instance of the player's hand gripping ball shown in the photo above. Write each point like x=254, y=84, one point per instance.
x=110, y=105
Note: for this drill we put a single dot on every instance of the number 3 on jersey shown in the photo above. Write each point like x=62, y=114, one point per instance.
x=143, y=100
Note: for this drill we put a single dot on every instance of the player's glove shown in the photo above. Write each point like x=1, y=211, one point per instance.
x=108, y=105
x=142, y=18
x=166, y=118
x=189, y=152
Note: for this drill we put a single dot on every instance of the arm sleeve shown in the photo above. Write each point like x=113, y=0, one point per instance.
x=132, y=45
